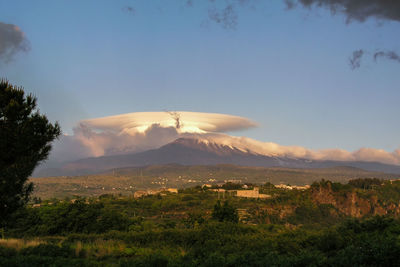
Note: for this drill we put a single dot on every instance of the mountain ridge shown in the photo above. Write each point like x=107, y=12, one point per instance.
x=190, y=151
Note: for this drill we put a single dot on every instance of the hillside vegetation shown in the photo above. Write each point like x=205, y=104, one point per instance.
x=329, y=224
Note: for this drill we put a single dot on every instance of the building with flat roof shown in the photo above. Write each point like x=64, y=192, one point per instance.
x=255, y=193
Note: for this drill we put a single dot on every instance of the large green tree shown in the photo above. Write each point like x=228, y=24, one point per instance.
x=225, y=212
x=25, y=141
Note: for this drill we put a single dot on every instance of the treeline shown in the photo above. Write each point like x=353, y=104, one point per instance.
x=361, y=183
x=190, y=208
x=83, y=217
x=367, y=183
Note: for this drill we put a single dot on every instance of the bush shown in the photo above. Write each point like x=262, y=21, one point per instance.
x=46, y=250
x=155, y=260
x=7, y=252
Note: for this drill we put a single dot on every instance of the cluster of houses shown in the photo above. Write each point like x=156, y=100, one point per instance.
x=252, y=193
x=290, y=187
x=149, y=192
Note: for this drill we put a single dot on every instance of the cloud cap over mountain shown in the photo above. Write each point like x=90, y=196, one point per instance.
x=140, y=131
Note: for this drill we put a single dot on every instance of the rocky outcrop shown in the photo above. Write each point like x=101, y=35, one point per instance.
x=350, y=203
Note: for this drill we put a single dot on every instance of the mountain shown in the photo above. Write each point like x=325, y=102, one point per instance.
x=188, y=151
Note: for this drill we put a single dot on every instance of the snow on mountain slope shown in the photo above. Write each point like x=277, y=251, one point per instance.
x=201, y=151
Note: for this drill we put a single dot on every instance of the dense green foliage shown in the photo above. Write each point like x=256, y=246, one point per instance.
x=25, y=141
x=64, y=218
x=370, y=242
x=196, y=228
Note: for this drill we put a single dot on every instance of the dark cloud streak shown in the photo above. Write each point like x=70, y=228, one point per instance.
x=189, y=3
x=12, y=41
x=227, y=17
x=359, y=10
x=224, y=13
x=390, y=55
x=355, y=59
x=129, y=9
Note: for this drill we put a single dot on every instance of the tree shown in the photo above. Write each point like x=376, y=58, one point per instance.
x=25, y=141
x=366, y=183
x=225, y=212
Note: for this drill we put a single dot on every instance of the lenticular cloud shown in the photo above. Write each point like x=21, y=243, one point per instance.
x=184, y=122
x=140, y=131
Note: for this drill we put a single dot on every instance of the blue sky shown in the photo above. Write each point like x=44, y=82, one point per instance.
x=287, y=70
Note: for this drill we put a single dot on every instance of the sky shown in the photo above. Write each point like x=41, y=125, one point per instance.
x=309, y=76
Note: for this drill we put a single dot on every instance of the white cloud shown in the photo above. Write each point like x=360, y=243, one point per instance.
x=273, y=149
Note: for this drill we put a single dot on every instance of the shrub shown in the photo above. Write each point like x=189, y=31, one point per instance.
x=46, y=250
